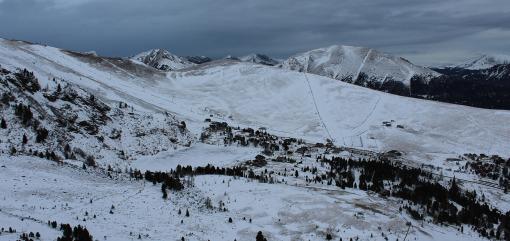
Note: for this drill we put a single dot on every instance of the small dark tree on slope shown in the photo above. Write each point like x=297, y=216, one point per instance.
x=163, y=189
x=25, y=139
x=260, y=237
x=3, y=124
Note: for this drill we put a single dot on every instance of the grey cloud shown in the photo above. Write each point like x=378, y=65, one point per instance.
x=419, y=30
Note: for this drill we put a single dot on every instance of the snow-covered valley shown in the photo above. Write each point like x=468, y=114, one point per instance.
x=282, y=128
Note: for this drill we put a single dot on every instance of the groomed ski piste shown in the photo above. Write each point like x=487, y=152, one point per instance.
x=283, y=102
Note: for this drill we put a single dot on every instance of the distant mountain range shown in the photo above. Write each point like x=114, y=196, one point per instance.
x=259, y=59
x=482, y=81
x=483, y=62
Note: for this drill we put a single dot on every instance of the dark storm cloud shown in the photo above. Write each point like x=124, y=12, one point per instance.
x=424, y=31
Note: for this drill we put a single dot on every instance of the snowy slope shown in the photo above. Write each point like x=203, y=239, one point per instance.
x=483, y=62
x=259, y=59
x=79, y=125
x=348, y=63
x=115, y=206
x=287, y=103
x=162, y=59
x=283, y=212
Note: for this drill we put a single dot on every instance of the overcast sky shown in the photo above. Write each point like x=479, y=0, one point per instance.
x=424, y=31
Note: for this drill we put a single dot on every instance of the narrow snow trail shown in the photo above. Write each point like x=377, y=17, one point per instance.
x=367, y=117
x=317, y=108
x=362, y=64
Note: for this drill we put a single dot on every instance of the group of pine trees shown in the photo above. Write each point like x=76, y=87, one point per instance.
x=29, y=236
x=168, y=181
x=247, y=136
x=422, y=190
x=493, y=167
x=77, y=233
x=26, y=80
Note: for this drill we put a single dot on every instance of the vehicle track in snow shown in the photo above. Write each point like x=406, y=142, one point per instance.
x=367, y=117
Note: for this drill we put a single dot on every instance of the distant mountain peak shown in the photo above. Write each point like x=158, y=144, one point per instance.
x=484, y=61
x=350, y=63
x=162, y=59
x=259, y=59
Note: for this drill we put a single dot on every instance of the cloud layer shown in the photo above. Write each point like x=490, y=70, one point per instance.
x=427, y=32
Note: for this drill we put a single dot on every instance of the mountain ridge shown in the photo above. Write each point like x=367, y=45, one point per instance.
x=359, y=65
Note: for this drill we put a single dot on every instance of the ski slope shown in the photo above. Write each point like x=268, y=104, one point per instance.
x=247, y=94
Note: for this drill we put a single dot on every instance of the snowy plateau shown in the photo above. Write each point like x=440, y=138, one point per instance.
x=156, y=147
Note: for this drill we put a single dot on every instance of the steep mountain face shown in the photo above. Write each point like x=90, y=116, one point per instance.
x=361, y=66
x=259, y=59
x=163, y=60
x=483, y=62
x=56, y=119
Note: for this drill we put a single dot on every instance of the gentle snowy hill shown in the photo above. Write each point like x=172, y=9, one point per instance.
x=259, y=59
x=483, y=62
x=163, y=60
x=285, y=102
x=363, y=66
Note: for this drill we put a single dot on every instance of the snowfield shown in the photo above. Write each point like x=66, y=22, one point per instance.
x=197, y=155
x=282, y=212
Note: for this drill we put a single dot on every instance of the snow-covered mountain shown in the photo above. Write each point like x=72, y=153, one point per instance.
x=271, y=135
x=362, y=66
x=259, y=59
x=163, y=60
x=483, y=62
x=250, y=94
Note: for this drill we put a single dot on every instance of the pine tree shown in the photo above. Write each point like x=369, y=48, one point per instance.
x=230, y=220
x=3, y=124
x=25, y=139
x=163, y=189
x=187, y=213
x=260, y=237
